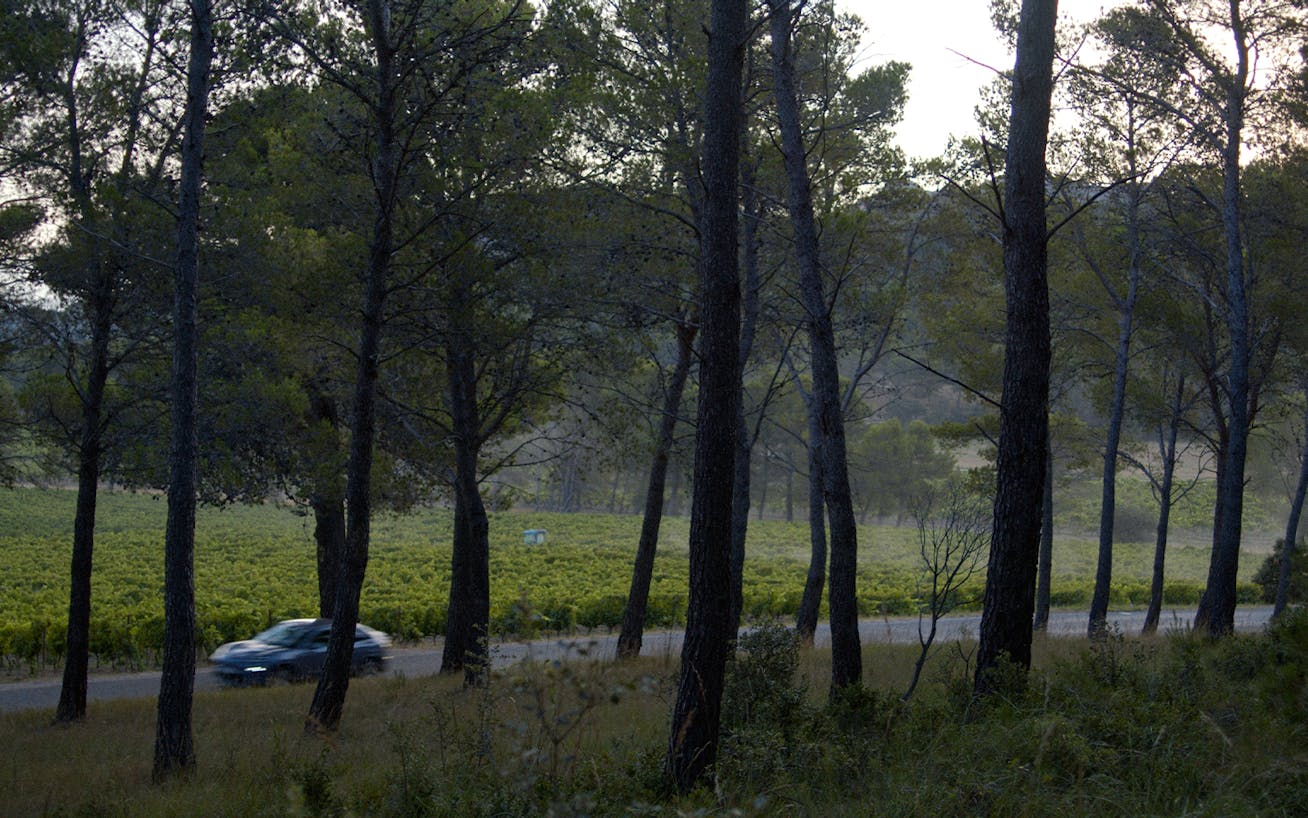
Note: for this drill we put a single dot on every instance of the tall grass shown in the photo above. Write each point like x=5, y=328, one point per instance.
x=1169, y=726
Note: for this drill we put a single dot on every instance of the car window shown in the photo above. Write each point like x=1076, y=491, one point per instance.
x=283, y=634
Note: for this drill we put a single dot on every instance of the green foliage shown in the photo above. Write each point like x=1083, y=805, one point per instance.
x=1268, y=575
x=760, y=687
x=255, y=565
x=893, y=464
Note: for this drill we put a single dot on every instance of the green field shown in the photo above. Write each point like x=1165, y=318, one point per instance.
x=255, y=565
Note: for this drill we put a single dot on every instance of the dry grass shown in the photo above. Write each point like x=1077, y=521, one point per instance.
x=1132, y=721
x=254, y=757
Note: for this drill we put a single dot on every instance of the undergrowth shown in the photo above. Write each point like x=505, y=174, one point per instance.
x=1169, y=726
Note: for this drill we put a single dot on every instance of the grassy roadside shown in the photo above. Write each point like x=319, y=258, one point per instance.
x=1166, y=726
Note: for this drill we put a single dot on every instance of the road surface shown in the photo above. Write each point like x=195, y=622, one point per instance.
x=43, y=693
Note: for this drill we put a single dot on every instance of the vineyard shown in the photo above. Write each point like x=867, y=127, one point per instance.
x=255, y=565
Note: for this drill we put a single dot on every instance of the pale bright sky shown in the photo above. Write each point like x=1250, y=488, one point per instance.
x=943, y=86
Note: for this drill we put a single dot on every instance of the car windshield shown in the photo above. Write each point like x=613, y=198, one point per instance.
x=283, y=634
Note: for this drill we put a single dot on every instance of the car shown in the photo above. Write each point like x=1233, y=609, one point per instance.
x=294, y=650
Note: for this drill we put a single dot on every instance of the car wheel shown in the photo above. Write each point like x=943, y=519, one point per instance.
x=372, y=666
x=284, y=675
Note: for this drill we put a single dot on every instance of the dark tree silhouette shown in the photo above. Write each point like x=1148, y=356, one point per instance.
x=846, y=655
x=633, y=615
x=696, y=717
x=329, y=697
x=1024, y=415
x=174, y=749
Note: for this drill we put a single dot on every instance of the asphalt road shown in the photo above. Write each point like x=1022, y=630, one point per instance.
x=43, y=693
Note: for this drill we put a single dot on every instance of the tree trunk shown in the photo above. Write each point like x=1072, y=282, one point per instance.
x=1024, y=418
x=1121, y=367
x=329, y=697
x=693, y=742
x=100, y=308
x=1044, y=578
x=790, y=493
x=467, y=622
x=1167, y=449
x=846, y=653
x=633, y=616
x=174, y=749
x=1292, y=526
x=750, y=308
x=811, y=603
x=673, y=504
x=72, y=693
x=329, y=536
x=327, y=500
x=1217, y=607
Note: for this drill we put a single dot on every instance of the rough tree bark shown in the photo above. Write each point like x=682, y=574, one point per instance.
x=329, y=539
x=1024, y=416
x=72, y=693
x=696, y=716
x=174, y=749
x=846, y=654
x=633, y=615
x=468, y=615
x=329, y=697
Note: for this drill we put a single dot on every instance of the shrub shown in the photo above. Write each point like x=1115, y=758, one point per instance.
x=602, y=611
x=1132, y=523
x=1180, y=592
x=760, y=687
x=1269, y=573
x=1066, y=596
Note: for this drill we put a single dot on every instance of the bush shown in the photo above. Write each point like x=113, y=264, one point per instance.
x=760, y=687
x=602, y=611
x=762, y=708
x=1182, y=593
x=1269, y=573
x=1066, y=596
x=1133, y=523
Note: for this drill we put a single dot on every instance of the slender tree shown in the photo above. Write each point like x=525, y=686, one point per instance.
x=87, y=170
x=633, y=615
x=1024, y=421
x=846, y=656
x=656, y=86
x=1216, y=48
x=696, y=717
x=174, y=748
x=329, y=697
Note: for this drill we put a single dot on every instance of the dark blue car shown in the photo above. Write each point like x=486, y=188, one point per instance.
x=293, y=650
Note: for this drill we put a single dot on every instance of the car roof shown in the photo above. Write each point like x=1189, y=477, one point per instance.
x=322, y=622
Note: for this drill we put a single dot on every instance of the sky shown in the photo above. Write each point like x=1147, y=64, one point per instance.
x=949, y=43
